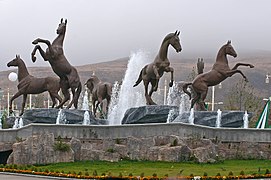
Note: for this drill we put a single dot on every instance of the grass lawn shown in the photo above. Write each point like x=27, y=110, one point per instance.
x=136, y=168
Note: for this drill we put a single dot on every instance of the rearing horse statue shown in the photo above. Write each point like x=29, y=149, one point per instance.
x=218, y=73
x=152, y=72
x=69, y=78
x=29, y=84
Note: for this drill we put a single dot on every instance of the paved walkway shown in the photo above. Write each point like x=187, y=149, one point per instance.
x=14, y=176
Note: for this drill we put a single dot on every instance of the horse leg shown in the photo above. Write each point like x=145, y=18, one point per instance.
x=12, y=99
x=53, y=99
x=76, y=93
x=242, y=64
x=202, y=98
x=93, y=106
x=232, y=72
x=171, y=70
x=42, y=53
x=66, y=93
x=72, y=101
x=23, y=104
x=148, y=98
x=194, y=100
x=157, y=76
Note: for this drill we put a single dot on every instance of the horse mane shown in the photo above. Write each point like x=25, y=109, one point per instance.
x=170, y=35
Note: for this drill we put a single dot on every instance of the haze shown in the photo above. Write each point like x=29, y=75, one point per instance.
x=104, y=30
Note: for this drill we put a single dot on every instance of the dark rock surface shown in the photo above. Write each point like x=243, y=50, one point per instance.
x=148, y=114
x=208, y=118
x=73, y=116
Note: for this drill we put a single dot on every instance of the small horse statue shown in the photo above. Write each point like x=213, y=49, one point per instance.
x=100, y=91
x=216, y=75
x=152, y=72
x=32, y=85
x=69, y=78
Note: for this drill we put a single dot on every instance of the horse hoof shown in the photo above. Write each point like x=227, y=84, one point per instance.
x=35, y=42
x=34, y=58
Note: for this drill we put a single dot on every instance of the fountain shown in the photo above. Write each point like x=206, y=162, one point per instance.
x=61, y=117
x=218, y=119
x=126, y=99
x=85, y=105
x=21, y=123
x=86, y=120
x=16, y=124
x=172, y=114
x=191, y=116
x=173, y=97
x=245, y=118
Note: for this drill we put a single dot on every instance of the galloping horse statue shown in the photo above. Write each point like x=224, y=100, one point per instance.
x=152, y=72
x=69, y=78
x=100, y=91
x=32, y=85
x=216, y=75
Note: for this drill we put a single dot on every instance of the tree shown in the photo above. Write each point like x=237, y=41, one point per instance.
x=243, y=97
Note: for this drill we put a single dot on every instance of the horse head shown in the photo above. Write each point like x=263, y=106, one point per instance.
x=91, y=82
x=15, y=62
x=175, y=41
x=229, y=49
x=61, y=27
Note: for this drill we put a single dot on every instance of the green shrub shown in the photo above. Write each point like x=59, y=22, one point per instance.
x=230, y=173
x=86, y=174
x=154, y=175
x=95, y=173
x=242, y=173
x=120, y=175
x=205, y=174
x=142, y=175
x=46, y=170
x=218, y=174
x=111, y=150
x=130, y=175
x=61, y=146
x=267, y=171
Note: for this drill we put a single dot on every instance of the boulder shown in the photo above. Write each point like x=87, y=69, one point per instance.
x=148, y=114
x=233, y=119
x=73, y=116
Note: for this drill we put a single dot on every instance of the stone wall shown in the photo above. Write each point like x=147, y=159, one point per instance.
x=38, y=149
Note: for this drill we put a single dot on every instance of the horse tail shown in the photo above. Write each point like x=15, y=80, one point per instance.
x=185, y=89
x=139, y=77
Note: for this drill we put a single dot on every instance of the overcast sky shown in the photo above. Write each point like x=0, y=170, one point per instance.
x=104, y=30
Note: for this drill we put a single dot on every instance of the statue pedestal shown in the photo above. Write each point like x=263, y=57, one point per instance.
x=148, y=114
x=160, y=113
x=232, y=119
x=73, y=116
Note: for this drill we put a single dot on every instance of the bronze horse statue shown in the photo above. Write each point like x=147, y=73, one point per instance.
x=219, y=72
x=32, y=85
x=100, y=91
x=152, y=72
x=69, y=78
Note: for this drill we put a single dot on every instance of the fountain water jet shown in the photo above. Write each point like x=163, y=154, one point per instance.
x=191, y=116
x=86, y=120
x=218, y=119
x=245, y=118
x=85, y=101
x=129, y=96
x=16, y=124
x=61, y=117
x=21, y=123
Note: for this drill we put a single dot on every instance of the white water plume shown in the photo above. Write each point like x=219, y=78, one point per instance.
x=129, y=96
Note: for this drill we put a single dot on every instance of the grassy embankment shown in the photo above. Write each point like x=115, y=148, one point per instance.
x=171, y=169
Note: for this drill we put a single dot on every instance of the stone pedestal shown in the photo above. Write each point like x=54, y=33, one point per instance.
x=233, y=119
x=73, y=116
x=148, y=114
